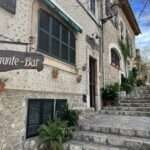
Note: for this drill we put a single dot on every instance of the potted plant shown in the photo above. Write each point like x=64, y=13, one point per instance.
x=53, y=134
x=127, y=84
x=110, y=94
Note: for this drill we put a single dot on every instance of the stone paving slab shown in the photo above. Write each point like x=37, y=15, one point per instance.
x=135, y=101
x=114, y=121
x=127, y=108
x=110, y=139
x=77, y=145
x=135, y=104
x=126, y=113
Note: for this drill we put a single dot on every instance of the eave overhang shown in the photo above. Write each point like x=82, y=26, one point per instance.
x=57, y=9
x=130, y=16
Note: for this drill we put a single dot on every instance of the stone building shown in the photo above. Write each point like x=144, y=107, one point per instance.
x=67, y=34
x=76, y=47
x=123, y=26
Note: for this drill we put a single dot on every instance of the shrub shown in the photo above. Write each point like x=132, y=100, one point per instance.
x=132, y=77
x=126, y=86
x=110, y=93
x=140, y=82
x=53, y=134
x=71, y=116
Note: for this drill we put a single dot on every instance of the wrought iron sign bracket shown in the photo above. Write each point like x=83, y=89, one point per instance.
x=11, y=41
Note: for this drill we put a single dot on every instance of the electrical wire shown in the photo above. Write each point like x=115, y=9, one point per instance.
x=143, y=9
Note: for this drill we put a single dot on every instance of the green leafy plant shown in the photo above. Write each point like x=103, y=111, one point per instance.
x=126, y=84
x=132, y=78
x=140, y=82
x=53, y=134
x=110, y=93
x=125, y=49
x=71, y=116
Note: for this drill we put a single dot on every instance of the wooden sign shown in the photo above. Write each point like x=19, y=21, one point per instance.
x=9, y=5
x=12, y=60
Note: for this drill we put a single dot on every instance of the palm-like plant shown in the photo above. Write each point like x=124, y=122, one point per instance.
x=53, y=134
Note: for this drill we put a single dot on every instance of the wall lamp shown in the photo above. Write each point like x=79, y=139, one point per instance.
x=113, y=14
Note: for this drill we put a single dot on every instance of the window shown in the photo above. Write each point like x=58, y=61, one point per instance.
x=55, y=39
x=122, y=30
x=92, y=6
x=40, y=111
x=115, y=59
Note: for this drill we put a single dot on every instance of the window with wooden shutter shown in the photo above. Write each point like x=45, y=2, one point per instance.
x=40, y=111
x=34, y=119
x=47, y=107
x=60, y=107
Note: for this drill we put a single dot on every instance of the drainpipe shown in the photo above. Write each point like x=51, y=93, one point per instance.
x=102, y=44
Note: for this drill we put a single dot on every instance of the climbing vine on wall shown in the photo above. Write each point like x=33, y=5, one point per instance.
x=125, y=49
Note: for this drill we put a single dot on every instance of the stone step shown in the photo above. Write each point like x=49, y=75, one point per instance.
x=126, y=113
x=127, y=108
x=117, y=131
x=137, y=96
x=112, y=140
x=78, y=145
x=135, y=101
x=135, y=104
x=141, y=98
x=119, y=125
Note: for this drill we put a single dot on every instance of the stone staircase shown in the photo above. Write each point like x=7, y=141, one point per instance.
x=135, y=104
x=122, y=127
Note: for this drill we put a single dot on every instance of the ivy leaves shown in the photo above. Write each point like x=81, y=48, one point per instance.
x=125, y=49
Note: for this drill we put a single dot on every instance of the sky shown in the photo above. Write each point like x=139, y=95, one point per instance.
x=143, y=40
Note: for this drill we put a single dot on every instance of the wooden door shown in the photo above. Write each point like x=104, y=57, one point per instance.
x=92, y=77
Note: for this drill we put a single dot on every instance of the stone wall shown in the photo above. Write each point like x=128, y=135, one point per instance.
x=24, y=84
x=13, y=114
x=111, y=37
x=24, y=24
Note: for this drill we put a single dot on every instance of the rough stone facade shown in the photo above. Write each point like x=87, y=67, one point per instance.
x=22, y=85
x=111, y=37
x=26, y=26
x=13, y=112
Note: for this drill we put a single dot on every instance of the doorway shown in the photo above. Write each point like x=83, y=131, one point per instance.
x=92, y=84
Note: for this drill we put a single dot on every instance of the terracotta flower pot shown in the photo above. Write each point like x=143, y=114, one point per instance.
x=107, y=103
x=2, y=86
